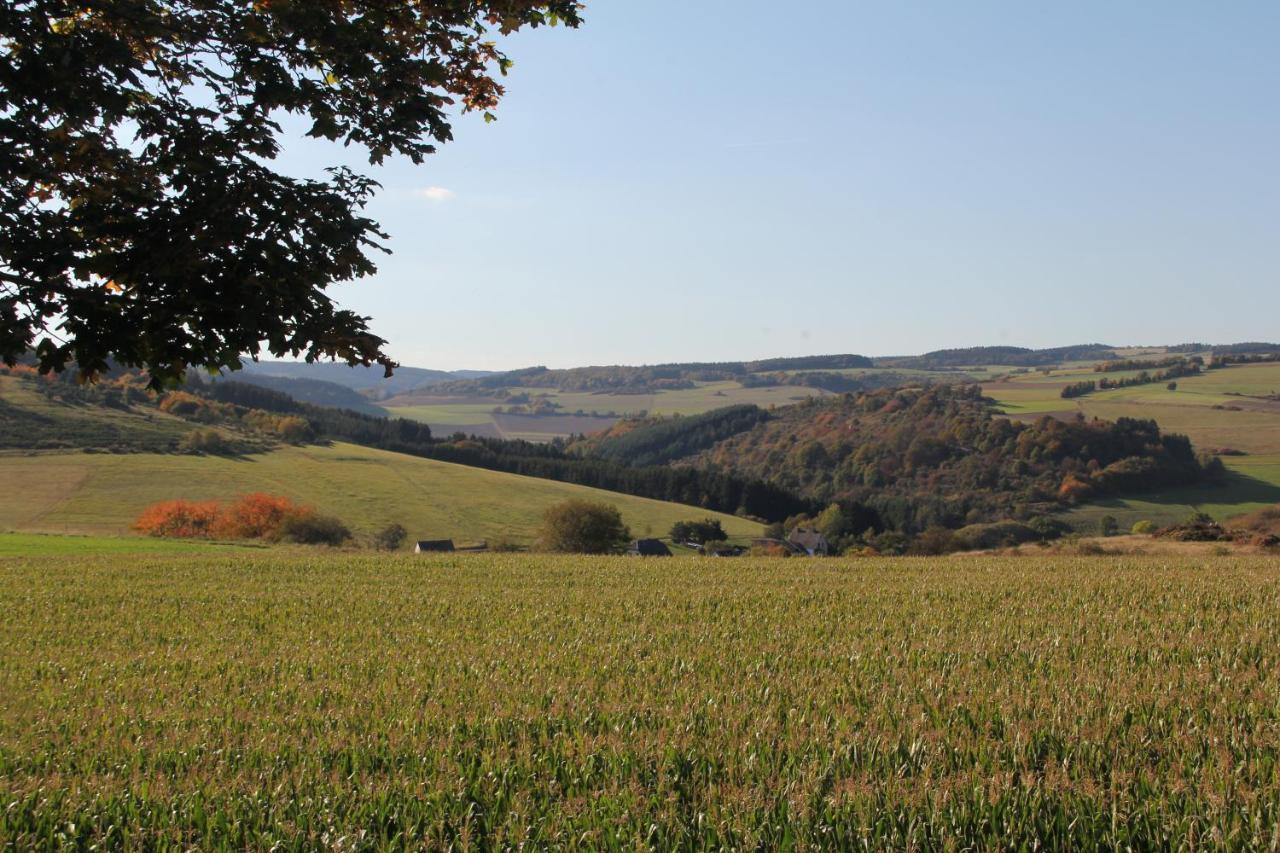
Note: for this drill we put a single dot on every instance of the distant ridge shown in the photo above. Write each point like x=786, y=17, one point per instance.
x=358, y=378
x=1003, y=355
x=318, y=392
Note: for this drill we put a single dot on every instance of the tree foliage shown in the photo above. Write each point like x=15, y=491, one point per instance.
x=139, y=211
x=661, y=440
x=584, y=527
x=701, y=532
x=942, y=456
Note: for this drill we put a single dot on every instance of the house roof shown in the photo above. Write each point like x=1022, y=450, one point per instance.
x=807, y=539
x=649, y=548
x=435, y=545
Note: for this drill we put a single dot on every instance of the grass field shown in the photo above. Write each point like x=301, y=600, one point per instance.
x=61, y=544
x=253, y=702
x=1253, y=429
x=368, y=489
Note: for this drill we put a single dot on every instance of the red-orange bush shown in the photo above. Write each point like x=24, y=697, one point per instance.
x=257, y=516
x=181, y=519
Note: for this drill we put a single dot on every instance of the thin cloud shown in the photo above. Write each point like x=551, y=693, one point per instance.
x=436, y=194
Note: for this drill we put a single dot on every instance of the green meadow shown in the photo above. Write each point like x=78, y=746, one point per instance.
x=260, y=701
x=366, y=488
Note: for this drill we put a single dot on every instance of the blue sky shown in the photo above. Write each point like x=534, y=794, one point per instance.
x=732, y=179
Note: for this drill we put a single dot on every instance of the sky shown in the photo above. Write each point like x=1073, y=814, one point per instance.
x=711, y=180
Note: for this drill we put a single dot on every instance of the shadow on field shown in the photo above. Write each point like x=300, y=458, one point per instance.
x=1235, y=488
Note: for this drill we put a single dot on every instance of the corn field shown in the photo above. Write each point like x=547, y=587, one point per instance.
x=478, y=702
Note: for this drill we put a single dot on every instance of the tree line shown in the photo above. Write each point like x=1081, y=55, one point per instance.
x=1088, y=386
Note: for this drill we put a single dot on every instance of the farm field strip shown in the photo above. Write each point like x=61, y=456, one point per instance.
x=206, y=701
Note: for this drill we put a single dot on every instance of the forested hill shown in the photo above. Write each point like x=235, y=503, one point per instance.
x=318, y=392
x=945, y=359
x=656, y=441
x=941, y=455
x=647, y=378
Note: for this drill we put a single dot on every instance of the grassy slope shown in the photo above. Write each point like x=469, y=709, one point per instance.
x=28, y=417
x=524, y=701
x=1255, y=478
x=85, y=493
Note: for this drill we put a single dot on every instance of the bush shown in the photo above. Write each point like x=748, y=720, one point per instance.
x=1108, y=526
x=390, y=538
x=257, y=516
x=309, y=528
x=1000, y=534
x=1265, y=520
x=204, y=441
x=702, y=532
x=1049, y=528
x=889, y=542
x=584, y=527
x=770, y=549
x=179, y=519
x=1143, y=528
x=934, y=540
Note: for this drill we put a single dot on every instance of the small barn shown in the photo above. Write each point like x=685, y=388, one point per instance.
x=648, y=548
x=427, y=546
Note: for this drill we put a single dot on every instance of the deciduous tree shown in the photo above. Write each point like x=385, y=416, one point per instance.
x=141, y=218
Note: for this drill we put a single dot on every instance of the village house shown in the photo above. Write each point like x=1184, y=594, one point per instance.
x=809, y=541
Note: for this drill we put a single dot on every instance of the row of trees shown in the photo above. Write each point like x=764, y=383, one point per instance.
x=824, y=380
x=1221, y=360
x=1177, y=371
x=1117, y=366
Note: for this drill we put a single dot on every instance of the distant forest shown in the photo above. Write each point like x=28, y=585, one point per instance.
x=619, y=379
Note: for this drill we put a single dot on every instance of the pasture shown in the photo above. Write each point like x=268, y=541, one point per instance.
x=366, y=488
x=1218, y=409
x=262, y=701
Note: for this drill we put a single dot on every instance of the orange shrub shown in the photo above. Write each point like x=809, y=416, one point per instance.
x=181, y=519
x=257, y=516
x=1074, y=489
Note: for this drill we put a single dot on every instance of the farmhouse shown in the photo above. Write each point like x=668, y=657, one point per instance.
x=428, y=545
x=648, y=548
x=809, y=541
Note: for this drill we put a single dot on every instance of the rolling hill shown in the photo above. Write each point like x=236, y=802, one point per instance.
x=366, y=488
x=74, y=466
x=359, y=378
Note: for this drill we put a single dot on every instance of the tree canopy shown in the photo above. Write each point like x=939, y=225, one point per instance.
x=140, y=217
x=584, y=527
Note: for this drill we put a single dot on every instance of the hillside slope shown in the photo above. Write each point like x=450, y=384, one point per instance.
x=367, y=488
